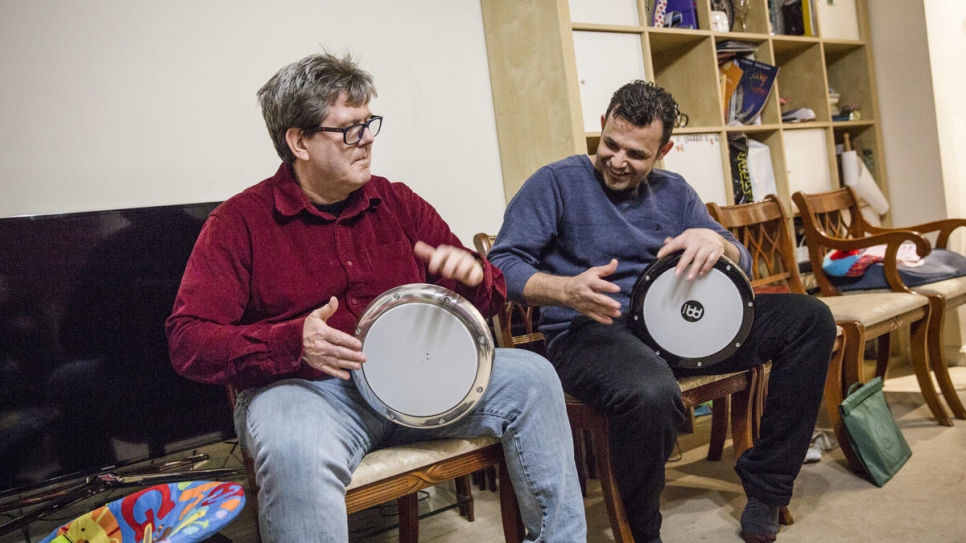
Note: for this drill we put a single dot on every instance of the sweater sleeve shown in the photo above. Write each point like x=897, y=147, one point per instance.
x=529, y=228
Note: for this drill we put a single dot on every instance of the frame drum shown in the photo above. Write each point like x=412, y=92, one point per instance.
x=692, y=324
x=429, y=354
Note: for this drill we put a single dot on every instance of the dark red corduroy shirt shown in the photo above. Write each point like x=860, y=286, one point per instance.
x=267, y=257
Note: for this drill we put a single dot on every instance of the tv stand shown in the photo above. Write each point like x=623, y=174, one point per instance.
x=56, y=497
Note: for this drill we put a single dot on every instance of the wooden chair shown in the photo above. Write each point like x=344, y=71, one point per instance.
x=398, y=473
x=763, y=228
x=833, y=220
x=515, y=327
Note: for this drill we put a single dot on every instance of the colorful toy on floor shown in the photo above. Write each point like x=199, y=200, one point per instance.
x=184, y=512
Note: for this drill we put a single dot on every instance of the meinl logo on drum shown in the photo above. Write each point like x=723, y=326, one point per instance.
x=692, y=310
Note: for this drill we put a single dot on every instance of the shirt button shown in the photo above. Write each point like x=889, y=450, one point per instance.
x=348, y=263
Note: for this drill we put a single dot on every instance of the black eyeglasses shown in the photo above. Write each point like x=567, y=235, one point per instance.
x=352, y=134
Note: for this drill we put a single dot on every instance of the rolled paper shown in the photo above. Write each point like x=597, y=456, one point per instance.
x=857, y=176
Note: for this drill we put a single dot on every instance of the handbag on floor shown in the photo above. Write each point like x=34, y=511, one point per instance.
x=873, y=433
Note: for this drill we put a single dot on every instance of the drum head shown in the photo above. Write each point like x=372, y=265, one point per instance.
x=429, y=354
x=692, y=324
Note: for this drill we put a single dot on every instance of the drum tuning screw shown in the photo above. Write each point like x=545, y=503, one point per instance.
x=446, y=300
x=479, y=389
x=358, y=331
x=637, y=318
x=728, y=268
x=750, y=304
x=442, y=421
x=737, y=345
x=390, y=416
x=395, y=296
x=481, y=340
x=699, y=364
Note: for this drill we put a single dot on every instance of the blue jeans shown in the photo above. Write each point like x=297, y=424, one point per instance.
x=608, y=367
x=307, y=437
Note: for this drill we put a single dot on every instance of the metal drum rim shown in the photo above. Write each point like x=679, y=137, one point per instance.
x=457, y=306
x=726, y=266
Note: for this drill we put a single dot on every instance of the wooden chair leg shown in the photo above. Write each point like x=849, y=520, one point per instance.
x=785, y=516
x=742, y=427
x=608, y=487
x=580, y=458
x=841, y=372
x=720, y=413
x=464, y=497
x=919, y=332
x=409, y=518
x=937, y=357
x=883, y=350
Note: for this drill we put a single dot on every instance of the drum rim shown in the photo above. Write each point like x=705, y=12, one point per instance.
x=457, y=306
x=726, y=266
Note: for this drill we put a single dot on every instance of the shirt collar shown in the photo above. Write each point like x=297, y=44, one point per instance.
x=290, y=199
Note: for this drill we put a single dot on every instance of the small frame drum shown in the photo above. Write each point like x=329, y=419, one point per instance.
x=429, y=354
x=692, y=324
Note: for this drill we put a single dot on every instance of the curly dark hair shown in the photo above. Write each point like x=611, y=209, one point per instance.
x=641, y=102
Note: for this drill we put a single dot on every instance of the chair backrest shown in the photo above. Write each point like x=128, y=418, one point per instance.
x=762, y=227
x=515, y=325
x=832, y=214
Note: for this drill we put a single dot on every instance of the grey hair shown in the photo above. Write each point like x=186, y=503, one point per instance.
x=641, y=102
x=299, y=95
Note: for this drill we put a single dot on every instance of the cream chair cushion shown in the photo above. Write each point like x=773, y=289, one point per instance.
x=871, y=308
x=384, y=463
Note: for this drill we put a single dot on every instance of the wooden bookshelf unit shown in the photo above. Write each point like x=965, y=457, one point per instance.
x=554, y=63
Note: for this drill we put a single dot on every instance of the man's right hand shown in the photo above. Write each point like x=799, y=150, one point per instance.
x=585, y=292
x=329, y=350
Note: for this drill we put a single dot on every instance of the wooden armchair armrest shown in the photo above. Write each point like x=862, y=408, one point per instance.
x=945, y=228
x=892, y=239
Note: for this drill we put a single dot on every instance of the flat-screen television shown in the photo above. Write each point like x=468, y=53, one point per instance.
x=86, y=384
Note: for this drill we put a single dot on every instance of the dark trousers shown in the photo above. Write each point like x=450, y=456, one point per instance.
x=608, y=367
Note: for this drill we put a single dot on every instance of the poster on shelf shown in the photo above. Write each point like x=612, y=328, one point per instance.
x=838, y=20
x=807, y=161
x=697, y=157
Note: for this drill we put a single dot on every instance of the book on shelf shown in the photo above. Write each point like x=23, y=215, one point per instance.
x=730, y=49
x=730, y=75
x=799, y=115
x=797, y=18
x=675, y=14
x=754, y=87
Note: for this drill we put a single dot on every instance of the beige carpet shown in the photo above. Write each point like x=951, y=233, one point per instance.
x=923, y=503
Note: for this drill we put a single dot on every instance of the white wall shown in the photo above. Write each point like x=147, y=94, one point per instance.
x=125, y=103
x=907, y=112
x=946, y=29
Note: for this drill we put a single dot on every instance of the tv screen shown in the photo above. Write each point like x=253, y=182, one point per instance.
x=86, y=384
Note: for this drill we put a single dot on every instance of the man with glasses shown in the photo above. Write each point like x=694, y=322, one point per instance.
x=272, y=294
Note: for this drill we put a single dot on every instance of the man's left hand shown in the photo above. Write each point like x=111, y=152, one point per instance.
x=702, y=249
x=451, y=262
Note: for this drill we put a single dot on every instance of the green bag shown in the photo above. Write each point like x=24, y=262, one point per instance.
x=873, y=433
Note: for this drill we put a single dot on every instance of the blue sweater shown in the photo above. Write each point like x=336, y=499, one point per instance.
x=562, y=222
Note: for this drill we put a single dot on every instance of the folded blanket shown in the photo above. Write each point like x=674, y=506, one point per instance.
x=854, y=263
x=865, y=271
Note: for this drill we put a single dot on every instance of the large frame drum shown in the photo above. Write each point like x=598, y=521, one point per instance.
x=429, y=354
x=696, y=323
